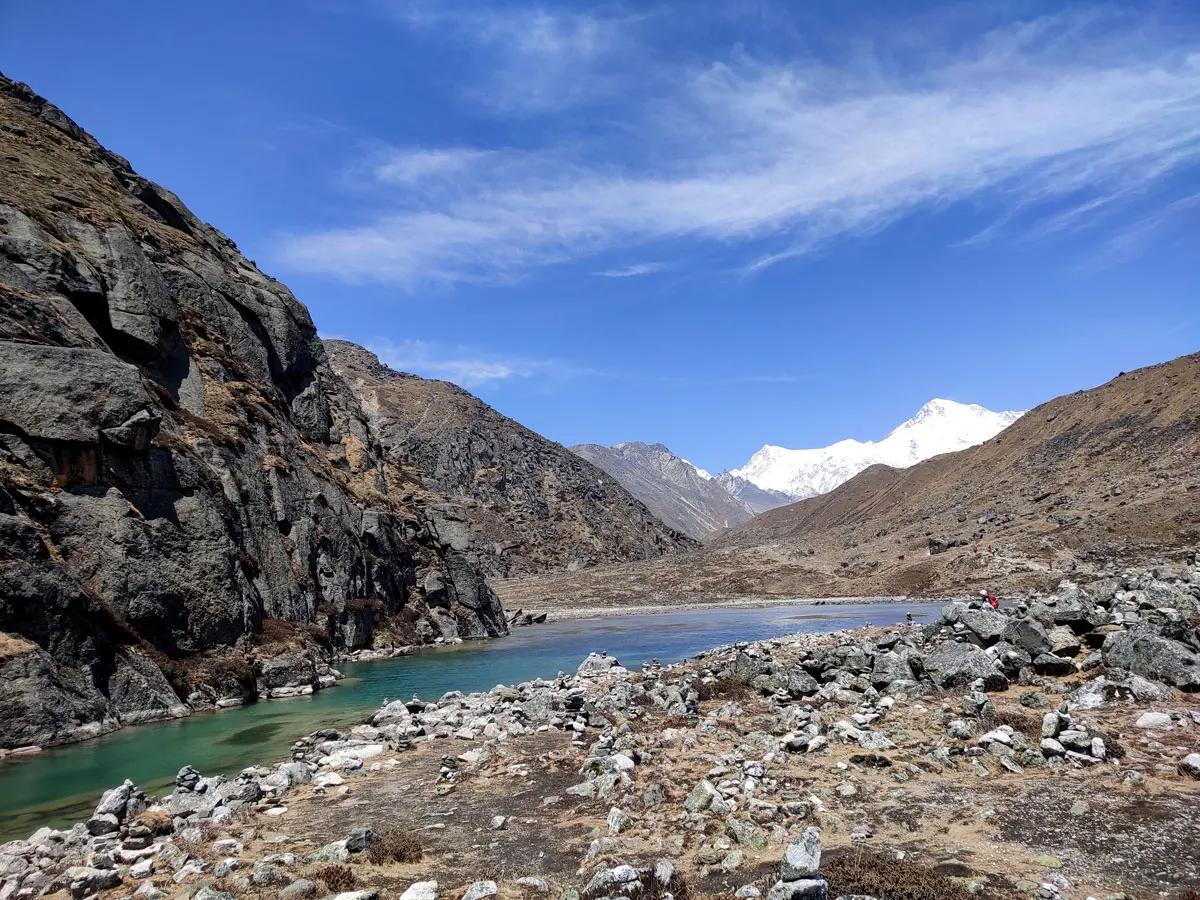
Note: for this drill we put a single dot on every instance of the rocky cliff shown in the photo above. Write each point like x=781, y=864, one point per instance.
x=517, y=502
x=179, y=464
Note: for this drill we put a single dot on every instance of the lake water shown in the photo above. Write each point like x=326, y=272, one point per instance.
x=61, y=786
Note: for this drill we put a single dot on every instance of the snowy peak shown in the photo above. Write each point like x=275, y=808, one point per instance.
x=940, y=426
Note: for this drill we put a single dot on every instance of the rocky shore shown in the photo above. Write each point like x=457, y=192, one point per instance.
x=1048, y=749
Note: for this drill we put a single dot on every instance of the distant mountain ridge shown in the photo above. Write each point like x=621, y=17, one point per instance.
x=684, y=496
x=940, y=426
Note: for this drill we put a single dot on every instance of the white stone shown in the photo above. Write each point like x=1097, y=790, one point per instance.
x=479, y=890
x=1153, y=720
x=422, y=890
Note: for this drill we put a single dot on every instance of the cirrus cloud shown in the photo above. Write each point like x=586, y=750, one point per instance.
x=1054, y=123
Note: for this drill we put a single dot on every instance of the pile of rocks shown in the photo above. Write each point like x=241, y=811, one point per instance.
x=1148, y=631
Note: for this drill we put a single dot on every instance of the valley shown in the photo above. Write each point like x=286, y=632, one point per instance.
x=281, y=621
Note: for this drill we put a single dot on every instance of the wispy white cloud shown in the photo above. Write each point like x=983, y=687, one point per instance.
x=539, y=60
x=411, y=167
x=1051, y=114
x=469, y=368
x=473, y=367
x=646, y=268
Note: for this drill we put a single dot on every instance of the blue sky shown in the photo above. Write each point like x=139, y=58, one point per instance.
x=715, y=225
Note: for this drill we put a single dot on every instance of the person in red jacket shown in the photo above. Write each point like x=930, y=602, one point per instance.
x=990, y=598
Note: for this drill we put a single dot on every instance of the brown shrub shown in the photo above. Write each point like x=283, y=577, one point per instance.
x=158, y=822
x=1114, y=749
x=888, y=878
x=336, y=878
x=1022, y=722
x=195, y=849
x=677, y=722
x=280, y=632
x=722, y=689
x=232, y=667
x=395, y=844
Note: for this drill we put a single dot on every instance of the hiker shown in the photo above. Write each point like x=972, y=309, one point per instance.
x=990, y=598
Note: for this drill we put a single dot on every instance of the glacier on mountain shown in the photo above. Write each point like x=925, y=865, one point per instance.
x=940, y=426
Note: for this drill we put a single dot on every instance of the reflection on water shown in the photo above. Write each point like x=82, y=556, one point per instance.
x=253, y=736
x=61, y=786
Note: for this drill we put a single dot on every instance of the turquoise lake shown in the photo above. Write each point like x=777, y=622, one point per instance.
x=61, y=786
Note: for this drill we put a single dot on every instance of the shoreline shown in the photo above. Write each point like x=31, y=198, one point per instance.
x=750, y=601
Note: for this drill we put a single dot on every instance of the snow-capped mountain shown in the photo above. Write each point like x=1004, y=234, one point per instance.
x=940, y=426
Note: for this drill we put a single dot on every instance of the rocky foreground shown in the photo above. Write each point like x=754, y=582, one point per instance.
x=1049, y=750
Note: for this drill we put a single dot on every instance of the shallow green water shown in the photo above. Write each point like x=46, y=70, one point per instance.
x=61, y=786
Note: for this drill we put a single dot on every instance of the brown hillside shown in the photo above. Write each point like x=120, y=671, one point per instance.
x=519, y=503
x=1113, y=467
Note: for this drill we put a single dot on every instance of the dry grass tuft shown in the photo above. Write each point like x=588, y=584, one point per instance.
x=195, y=849
x=888, y=878
x=336, y=878
x=395, y=844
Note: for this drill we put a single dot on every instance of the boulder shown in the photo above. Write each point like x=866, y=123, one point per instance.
x=479, y=890
x=1117, y=688
x=986, y=624
x=1154, y=721
x=802, y=859
x=420, y=890
x=802, y=889
x=955, y=664
x=745, y=834
x=1145, y=652
x=597, y=664
x=1029, y=635
x=889, y=667
x=84, y=881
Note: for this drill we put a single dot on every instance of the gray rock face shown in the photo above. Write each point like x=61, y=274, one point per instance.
x=675, y=490
x=1145, y=652
x=1115, y=688
x=1029, y=635
x=987, y=624
x=178, y=461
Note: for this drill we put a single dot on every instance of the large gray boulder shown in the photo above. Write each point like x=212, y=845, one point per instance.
x=986, y=624
x=1143, y=651
x=956, y=664
x=1028, y=634
x=1117, y=688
